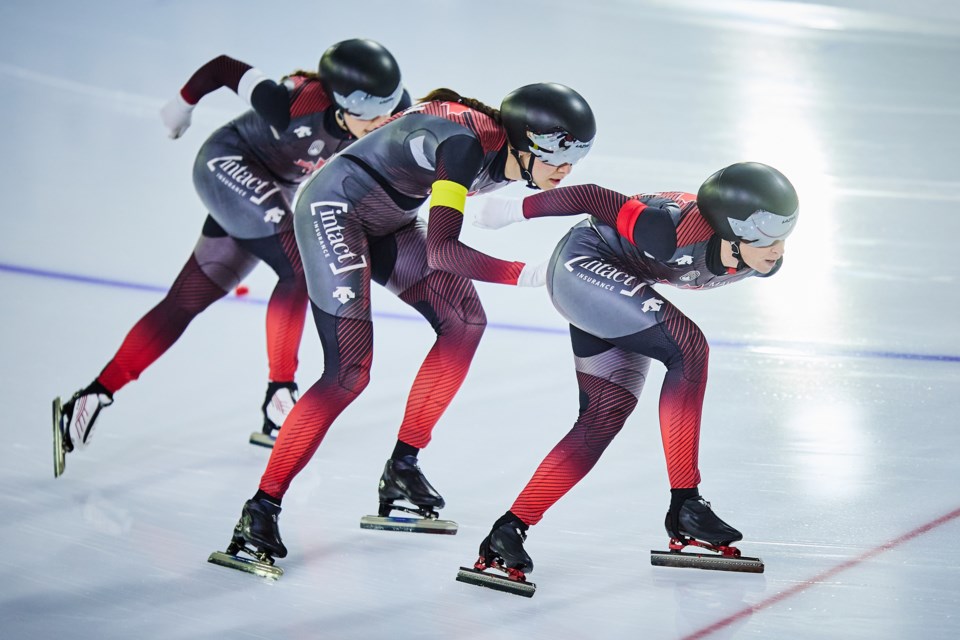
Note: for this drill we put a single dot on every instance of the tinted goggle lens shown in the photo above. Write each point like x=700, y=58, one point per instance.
x=558, y=148
x=763, y=228
x=363, y=106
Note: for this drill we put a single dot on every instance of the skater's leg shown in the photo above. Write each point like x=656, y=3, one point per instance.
x=348, y=354
x=217, y=265
x=640, y=320
x=335, y=254
x=264, y=222
x=286, y=314
x=287, y=308
x=335, y=258
x=452, y=307
x=681, y=346
x=610, y=381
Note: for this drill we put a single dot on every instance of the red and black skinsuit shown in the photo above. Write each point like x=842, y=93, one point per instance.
x=357, y=220
x=246, y=174
x=600, y=279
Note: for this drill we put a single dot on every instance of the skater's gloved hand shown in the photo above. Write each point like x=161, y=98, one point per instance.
x=494, y=213
x=176, y=115
x=533, y=275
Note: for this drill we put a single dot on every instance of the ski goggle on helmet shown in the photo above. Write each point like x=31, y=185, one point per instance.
x=551, y=121
x=362, y=77
x=749, y=202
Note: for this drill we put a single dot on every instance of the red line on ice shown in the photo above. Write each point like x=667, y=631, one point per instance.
x=820, y=577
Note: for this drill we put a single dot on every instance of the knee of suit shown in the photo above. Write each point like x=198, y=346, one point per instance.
x=598, y=436
x=293, y=281
x=223, y=275
x=472, y=329
x=354, y=377
x=193, y=294
x=610, y=409
x=469, y=318
x=690, y=356
x=472, y=312
x=695, y=367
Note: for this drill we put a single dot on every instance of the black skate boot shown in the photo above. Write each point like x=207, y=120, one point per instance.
x=256, y=534
x=503, y=550
x=403, y=480
x=259, y=527
x=73, y=422
x=277, y=405
x=695, y=519
x=691, y=522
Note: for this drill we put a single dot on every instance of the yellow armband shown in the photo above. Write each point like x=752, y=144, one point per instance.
x=449, y=194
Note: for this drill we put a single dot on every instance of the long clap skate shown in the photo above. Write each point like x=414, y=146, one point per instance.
x=277, y=405
x=74, y=421
x=502, y=551
x=695, y=524
x=403, y=480
x=257, y=535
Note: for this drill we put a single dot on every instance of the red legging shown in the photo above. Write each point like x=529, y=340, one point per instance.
x=611, y=375
x=216, y=266
x=451, y=305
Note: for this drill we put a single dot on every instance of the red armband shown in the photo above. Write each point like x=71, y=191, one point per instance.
x=222, y=71
x=188, y=97
x=627, y=218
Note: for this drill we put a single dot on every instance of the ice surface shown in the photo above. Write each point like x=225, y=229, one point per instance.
x=830, y=432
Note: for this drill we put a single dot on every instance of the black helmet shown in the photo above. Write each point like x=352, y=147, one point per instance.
x=550, y=120
x=362, y=77
x=749, y=202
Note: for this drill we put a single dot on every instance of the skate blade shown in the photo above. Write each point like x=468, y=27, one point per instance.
x=707, y=561
x=415, y=525
x=262, y=439
x=59, y=455
x=495, y=582
x=243, y=564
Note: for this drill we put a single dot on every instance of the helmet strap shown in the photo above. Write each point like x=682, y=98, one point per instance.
x=526, y=174
x=735, y=248
x=341, y=122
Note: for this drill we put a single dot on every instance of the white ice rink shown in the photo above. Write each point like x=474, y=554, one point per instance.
x=830, y=435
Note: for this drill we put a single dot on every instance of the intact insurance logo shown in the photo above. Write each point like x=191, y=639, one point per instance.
x=607, y=276
x=604, y=275
x=329, y=232
x=231, y=171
